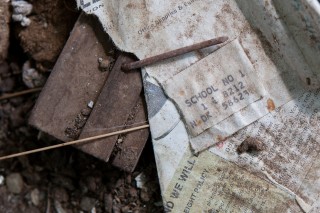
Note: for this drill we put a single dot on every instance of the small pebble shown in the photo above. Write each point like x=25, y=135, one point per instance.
x=108, y=203
x=31, y=77
x=14, y=183
x=116, y=209
x=126, y=209
x=85, y=112
x=58, y=207
x=144, y=195
x=35, y=197
x=141, y=180
x=87, y=203
x=60, y=194
x=106, y=64
x=20, y=11
x=72, y=132
x=1, y=180
x=80, y=121
x=133, y=192
x=64, y=182
x=90, y=104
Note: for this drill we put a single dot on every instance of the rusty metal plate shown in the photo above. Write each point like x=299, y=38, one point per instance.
x=74, y=82
x=129, y=146
x=112, y=109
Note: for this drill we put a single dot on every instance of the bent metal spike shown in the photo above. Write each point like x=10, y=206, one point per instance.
x=172, y=53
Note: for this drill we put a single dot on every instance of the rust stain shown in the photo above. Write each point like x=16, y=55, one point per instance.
x=130, y=5
x=199, y=54
x=181, y=92
x=221, y=140
x=147, y=36
x=220, y=145
x=250, y=145
x=199, y=122
x=270, y=104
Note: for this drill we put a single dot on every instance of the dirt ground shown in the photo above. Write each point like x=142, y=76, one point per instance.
x=64, y=180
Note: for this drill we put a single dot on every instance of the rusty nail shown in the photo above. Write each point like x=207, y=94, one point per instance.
x=173, y=53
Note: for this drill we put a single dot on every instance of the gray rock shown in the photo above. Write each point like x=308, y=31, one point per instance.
x=35, y=197
x=14, y=183
x=87, y=203
x=144, y=195
x=31, y=77
x=108, y=203
x=1, y=180
x=58, y=207
x=60, y=194
x=20, y=11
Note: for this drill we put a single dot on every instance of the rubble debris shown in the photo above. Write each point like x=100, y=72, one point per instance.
x=65, y=168
x=60, y=194
x=106, y=64
x=144, y=195
x=85, y=112
x=250, y=145
x=58, y=207
x=79, y=122
x=108, y=201
x=141, y=180
x=21, y=9
x=35, y=197
x=4, y=29
x=14, y=183
x=7, y=83
x=47, y=33
x=87, y=203
x=31, y=77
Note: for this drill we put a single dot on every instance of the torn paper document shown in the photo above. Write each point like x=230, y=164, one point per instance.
x=267, y=47
x=289, y=153
x=209, y=91
x=270, y=166
x=272, y=55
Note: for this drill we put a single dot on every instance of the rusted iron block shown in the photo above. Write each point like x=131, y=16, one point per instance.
x=129, y=147
x=112, y=111
x=76, y=85
x=62, y=107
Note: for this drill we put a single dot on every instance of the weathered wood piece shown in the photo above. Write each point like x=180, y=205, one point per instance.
x=112, y=111
x=61, y=109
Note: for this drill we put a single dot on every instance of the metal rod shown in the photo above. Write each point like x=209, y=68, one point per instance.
x=172, y=53
x=74, y=142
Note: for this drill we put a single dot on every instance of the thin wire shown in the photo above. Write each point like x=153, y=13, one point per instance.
x=90, y=139
x=116, y=127
x=16, y=94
